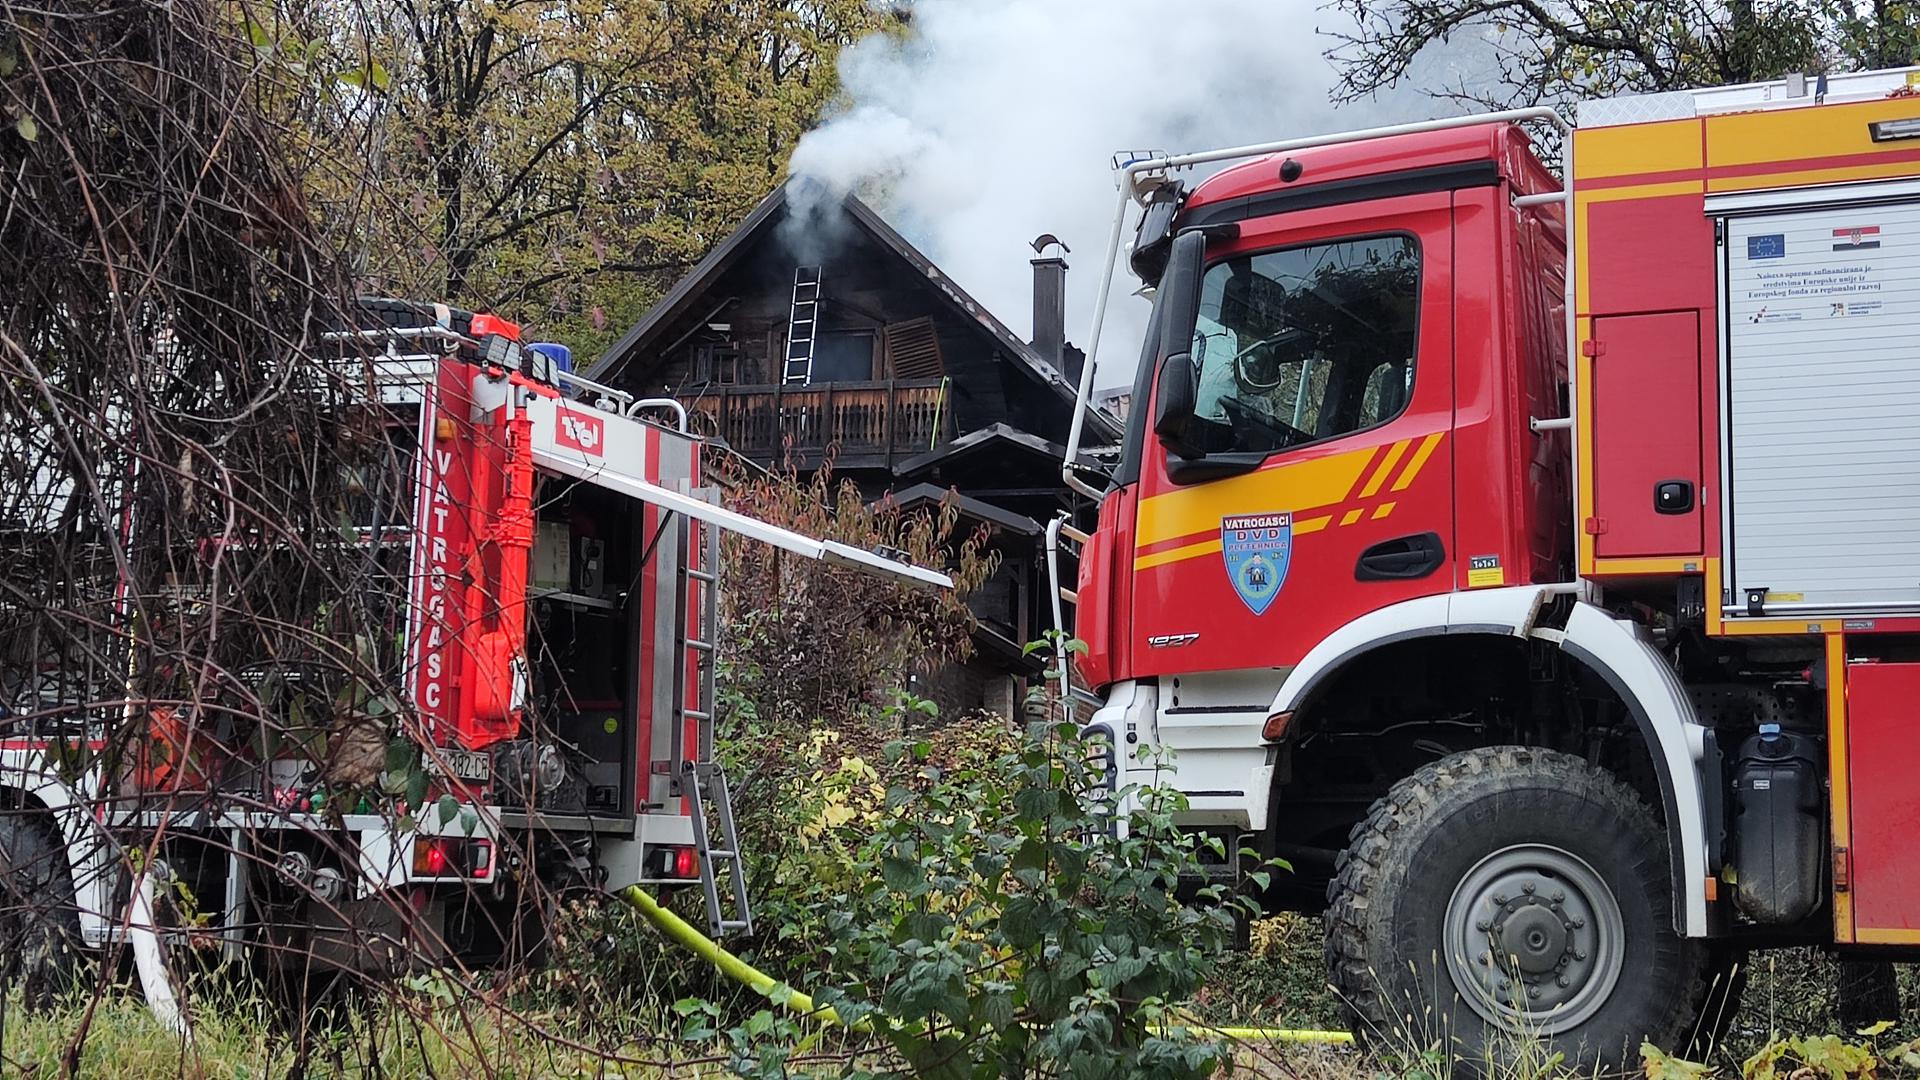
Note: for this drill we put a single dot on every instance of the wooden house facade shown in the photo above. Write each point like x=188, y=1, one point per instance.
x=910, y=385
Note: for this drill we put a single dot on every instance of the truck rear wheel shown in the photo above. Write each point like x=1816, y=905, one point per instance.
x=1508, y=893
x=39, y=920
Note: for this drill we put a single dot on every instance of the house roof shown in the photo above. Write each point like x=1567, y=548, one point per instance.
x=688, y=291
x=922, y=494
x=973, y=443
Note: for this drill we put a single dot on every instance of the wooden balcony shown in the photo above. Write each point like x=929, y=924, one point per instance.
x=869, y=423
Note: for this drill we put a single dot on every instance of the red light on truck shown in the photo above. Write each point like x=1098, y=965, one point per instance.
x=673, y=861
x=449, y=857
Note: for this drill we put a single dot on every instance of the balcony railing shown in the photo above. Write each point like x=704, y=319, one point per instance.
x=892, y=418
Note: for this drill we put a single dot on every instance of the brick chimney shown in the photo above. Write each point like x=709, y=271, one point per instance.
x=1050, y=302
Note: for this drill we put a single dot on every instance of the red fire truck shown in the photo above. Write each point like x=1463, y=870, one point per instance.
x=555, y=558
x=1535, y=567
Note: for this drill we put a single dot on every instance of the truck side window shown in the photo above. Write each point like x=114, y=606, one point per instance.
x=1306, y=343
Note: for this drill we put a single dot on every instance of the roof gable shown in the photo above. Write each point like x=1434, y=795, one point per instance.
x=760, y=226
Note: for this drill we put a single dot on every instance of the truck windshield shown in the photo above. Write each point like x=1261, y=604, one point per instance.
x=1306, y=343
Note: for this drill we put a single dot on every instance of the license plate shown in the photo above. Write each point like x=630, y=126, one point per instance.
x=464, y=764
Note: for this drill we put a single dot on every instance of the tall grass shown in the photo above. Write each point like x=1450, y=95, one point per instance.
x=399, y=1035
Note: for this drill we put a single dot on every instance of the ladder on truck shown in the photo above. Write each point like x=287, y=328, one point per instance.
x=715, y=839
x=801, y=326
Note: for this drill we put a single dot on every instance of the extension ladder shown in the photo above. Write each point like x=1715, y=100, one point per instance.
x=715, y=840
x=801, y=326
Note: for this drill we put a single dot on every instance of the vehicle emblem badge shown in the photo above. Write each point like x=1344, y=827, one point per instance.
x=1257, y=549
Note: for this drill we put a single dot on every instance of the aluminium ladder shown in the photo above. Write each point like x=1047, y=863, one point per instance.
x=715, y=839
x=802, y=325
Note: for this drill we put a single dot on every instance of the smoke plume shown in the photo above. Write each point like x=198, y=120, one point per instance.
x=995, y=120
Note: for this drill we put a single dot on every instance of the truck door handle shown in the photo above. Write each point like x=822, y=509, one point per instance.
x=1403, y=558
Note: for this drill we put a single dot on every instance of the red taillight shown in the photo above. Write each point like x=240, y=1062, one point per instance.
x=441, y=856
x=673, y=862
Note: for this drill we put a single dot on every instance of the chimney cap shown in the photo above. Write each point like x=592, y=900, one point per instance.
x=1046, y=240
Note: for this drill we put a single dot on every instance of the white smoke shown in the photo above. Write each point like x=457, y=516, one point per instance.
x=995, y=121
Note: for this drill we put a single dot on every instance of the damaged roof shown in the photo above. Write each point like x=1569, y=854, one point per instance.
x=688, y=291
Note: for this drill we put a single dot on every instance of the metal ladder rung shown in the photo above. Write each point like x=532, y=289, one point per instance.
x=718, y=855
x=700, y=646
x=696, y=714
x=702, y=575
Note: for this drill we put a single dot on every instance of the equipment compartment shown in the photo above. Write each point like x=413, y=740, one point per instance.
x=1646, y=386
x=1883, y=756
x=1821, y=318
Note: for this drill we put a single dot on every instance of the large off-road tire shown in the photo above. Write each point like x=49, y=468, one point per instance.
x=1507, y=894
x=39, y=919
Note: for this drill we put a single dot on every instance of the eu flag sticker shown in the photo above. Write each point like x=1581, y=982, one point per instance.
x=1257, y=548
x=1767, y=246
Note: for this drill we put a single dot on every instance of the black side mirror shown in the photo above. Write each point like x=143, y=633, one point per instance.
x=1177, y=387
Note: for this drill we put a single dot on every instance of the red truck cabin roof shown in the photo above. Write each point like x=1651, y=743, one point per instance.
x=1347, y=172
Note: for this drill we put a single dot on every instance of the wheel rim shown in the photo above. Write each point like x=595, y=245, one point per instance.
x=1534, y=939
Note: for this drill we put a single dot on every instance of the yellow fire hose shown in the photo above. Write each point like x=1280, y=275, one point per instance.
x=683, y=933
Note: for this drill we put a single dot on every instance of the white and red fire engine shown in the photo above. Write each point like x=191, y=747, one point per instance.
x=538, y=499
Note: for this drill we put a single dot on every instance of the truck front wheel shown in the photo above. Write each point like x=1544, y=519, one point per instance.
x=1506, y=894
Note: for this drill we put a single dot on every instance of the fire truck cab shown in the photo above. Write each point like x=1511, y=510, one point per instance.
x=1533, y=566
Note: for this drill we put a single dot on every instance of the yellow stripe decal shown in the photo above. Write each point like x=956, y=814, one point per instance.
x=1803, y=177
x=1840, y=793
x=1191, y=551
x=1352, y=516
x=1208, y=547
x=1303, y=485
x=1420, y=457
x=1668, y=146
x=1382, y=510
x=1762, y=138
x=1386, y=466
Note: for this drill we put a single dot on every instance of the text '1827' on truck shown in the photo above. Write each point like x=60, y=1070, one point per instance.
x=548, y=560
x=1536, y=569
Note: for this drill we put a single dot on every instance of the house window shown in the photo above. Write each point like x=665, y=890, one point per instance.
x=716, y=362
x=843, y=357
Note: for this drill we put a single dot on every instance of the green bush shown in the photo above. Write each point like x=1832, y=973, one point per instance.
x=1010, y=925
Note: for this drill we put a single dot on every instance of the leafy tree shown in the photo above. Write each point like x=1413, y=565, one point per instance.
x=562, y=161
x=1516, y=52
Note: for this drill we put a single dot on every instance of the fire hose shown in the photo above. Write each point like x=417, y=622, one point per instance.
x=681, y=932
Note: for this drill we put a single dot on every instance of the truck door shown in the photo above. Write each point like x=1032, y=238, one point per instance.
x=1324, y=353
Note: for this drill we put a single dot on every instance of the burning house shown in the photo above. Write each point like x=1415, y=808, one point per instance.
x=817, y=330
